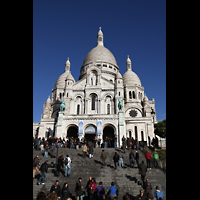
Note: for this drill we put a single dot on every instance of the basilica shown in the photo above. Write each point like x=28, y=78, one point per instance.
x=91, y=106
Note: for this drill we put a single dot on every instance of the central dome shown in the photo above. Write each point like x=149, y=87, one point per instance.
x=100, y=53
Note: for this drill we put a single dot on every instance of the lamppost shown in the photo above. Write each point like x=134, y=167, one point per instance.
x=153, y=114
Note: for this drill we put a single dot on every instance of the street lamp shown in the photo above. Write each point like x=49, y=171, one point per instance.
x=153, y=114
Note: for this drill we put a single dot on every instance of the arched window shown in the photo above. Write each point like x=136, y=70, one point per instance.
x=133, y=94
x=130, y=96
x=108, y=109
x=93, y=102
x=78, y=109
x=142, y=135
x=136, y=135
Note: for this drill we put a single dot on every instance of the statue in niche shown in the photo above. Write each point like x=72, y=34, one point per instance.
x=120, y=105
x=93, y=80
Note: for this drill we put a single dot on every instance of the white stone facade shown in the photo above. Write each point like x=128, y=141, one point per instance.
x=93, y=101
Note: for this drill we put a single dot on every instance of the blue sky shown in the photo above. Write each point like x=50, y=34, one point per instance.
x=68, y=28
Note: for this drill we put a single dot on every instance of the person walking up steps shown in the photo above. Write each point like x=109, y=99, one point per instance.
x=120, y=160
x=142, y=171
x=103, y=157
x=113, y=191
x=67, y=162
x=100, y=191
x=158, y=193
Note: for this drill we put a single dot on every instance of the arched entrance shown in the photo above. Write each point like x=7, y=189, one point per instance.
x=90, y=133
x=72, y=131
x=109, y=131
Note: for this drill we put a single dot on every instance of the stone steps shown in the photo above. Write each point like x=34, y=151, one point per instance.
x=126, y=179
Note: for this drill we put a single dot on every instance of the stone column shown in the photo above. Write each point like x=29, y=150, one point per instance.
x=86, y=106
x=122, y=128
x=58, y=131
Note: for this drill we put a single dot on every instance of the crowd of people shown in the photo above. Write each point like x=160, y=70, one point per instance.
x=93, y=191
x=97, y=192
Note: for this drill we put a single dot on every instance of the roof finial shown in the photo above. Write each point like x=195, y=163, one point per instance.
x=67, y=65
x=100, y=38
x=128, y=63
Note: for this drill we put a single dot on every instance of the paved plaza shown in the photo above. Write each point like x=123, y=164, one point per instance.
x=127, y=179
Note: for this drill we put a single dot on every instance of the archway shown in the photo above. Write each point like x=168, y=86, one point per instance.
x=109, y=131
x=72, y=131
x=90, y=133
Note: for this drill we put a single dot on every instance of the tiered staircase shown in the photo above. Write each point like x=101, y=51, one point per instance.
x=127, y=179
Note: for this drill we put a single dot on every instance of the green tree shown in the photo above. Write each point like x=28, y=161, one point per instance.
x=160, y=128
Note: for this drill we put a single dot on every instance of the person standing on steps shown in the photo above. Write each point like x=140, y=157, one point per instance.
x=142, y=171
x=116, y=159
x=91, y=149
x=132, y=159
x=46, y=150
x=124, y=143
x=79, y=188
x=43, y=169
x=137, y=144
x=65, y=191
x=52, y=147
x=148, y=159
x=56, y=188
x=120, y=160
x=137, y=158
x=141, y=196
x=84, y=149
x=156, y=158
x=92, y=187
x=147, y=186
x=35, y=164
x=88, y=183
x=103, y=157
x=106, y=142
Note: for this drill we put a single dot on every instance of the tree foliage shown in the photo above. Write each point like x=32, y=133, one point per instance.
x=160, y=128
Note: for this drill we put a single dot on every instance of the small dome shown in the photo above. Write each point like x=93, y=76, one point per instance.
x=70, y=77
x=60, y=83
x=131, y=78
x=145, y=99
x=118, y=75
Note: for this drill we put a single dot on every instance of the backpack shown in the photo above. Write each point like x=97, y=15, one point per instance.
x=102, y=191
x=66, y=161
